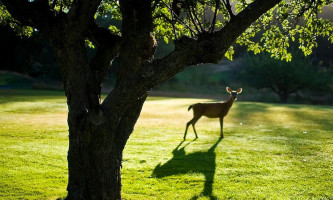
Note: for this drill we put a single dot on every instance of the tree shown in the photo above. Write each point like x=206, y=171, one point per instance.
x=203, y=31
x=283, y=78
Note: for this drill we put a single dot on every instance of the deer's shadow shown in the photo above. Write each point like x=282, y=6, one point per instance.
x=197, y=162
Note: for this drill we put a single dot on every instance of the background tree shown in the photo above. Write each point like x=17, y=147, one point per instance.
x=283, y=78
x=204, y=32
x=32, y=56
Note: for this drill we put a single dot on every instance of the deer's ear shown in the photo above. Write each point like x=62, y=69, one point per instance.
x=229, y=90
x=239, y=90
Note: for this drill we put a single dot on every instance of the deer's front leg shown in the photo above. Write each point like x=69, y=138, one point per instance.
x=221, y=124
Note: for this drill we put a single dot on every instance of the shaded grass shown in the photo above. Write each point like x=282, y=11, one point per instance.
x=270, y=151
x=14, y=80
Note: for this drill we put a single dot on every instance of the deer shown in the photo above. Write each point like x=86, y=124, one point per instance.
x=212, y=110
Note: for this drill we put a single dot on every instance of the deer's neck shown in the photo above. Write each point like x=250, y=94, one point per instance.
x=230, y=101
x=227, y=106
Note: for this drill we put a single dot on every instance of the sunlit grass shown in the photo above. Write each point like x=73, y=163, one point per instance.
x=270, y=151
x=33, y=144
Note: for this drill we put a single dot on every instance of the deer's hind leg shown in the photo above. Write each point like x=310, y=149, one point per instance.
x=188, y=123
x=192, y=121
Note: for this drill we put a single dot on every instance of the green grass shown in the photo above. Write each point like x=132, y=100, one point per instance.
x=270, y=151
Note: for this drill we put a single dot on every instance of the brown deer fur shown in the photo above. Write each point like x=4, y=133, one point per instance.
x=212, y=110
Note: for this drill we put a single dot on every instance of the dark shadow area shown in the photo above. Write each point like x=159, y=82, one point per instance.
x=30, y=95
x=197, y=162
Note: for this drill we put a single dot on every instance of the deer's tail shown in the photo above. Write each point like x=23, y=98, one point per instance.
x=189, y=108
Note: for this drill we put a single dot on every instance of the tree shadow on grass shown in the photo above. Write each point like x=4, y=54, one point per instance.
x=197, y=162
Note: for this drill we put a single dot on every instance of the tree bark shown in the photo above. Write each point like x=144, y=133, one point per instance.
x=95, y=155
x=98, y=132
x=97, y=136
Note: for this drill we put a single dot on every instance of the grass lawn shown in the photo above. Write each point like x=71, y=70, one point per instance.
x=270, y=151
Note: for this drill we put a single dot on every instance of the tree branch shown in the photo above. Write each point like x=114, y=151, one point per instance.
x=228, y=7
x=296, y=89
x=108, y=46
x=208, y=48
x=304, y=8
x=194, y=22
x=173, y=23
x=37, y=14
x=179, y=19
x=81, y=13
x=274, y=90
x=196, y=17
x=212, y=27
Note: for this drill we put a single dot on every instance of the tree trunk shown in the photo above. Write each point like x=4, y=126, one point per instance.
x=97, y=136
x=95, y=155
x=284, y=97
x=93, y=164
x=98, y=132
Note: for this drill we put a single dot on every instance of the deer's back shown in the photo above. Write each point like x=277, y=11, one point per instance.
x=211, y=110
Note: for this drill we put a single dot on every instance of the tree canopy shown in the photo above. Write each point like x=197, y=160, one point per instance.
x=287, y=22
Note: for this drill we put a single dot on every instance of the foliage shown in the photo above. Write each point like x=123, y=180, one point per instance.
x=279, y=151
x=287, y=22
x=6, y=19
x=283, y=77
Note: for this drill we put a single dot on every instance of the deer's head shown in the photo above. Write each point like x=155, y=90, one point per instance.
x=233, y=94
